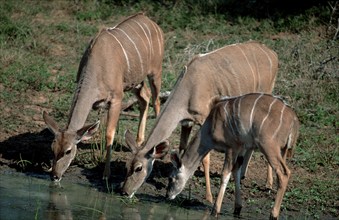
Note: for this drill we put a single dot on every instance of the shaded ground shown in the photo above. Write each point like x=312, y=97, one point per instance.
x=29, y=152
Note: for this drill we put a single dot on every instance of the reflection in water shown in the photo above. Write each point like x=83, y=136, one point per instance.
x=27, y=197
x=58, y=207
x=102, y=206
x=131, y=213
x=24, y=197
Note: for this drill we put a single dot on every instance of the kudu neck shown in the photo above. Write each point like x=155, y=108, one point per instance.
x=173, y=112
x=78, y=116
x=84, y=98
x=194, y=154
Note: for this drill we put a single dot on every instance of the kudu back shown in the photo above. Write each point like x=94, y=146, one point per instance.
x=118, y=59
x=228, y=71
x=236, y=126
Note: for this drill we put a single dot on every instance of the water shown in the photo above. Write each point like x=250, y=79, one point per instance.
x=26, y=197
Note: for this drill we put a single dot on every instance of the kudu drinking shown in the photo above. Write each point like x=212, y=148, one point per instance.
x=231, y=70
x=235, y=126
x=118, y=59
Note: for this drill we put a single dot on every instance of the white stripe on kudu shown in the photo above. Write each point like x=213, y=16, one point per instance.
x=239, y=115
x=235, y=75
x=123, y=50
x=258, y=73
x=252, y=111
x=159, y=43
x=267, y=115
x=280, y=122
x=103, y=77
x=227, y=79
x=234, y=110
x=213, y=74
x=151, y=40
x=142, y=40
x=216, y=133
x=147, y=37
x=216, y=50
x=268, y=57
x=136, y=48
x=254, y=79
x=228, y=118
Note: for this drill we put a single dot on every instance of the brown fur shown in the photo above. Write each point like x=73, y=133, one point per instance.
x=228, y=71
x=118, y=59
x=235, y=126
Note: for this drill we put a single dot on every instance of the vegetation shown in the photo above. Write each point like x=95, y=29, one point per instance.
x=41, y=43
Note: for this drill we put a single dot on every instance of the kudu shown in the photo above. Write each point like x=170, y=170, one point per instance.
x=231, y=70
x=235, y=126
x=118, y=59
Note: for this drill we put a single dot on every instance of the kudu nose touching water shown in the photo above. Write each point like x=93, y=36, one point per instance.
x=118, y=59
x=231, y=70
x=235, y=126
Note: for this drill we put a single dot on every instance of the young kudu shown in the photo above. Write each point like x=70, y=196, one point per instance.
x=235, y=126
x=118, y=59
x=231, y=70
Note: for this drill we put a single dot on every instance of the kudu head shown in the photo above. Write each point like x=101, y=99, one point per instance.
x=183, y=169
x=176, y=180
x=64, y=145
x=140, y=167
x=178, y=177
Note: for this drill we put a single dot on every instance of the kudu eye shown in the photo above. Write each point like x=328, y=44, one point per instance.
x=138, y=169
x=68, y=152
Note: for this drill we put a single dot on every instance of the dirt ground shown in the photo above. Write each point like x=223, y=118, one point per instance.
x=27, y=149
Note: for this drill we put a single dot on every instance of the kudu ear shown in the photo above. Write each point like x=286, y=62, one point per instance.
x=130, y=142
x=51, y=124
x=159, y=151
x=175, y=159
x=87, y=131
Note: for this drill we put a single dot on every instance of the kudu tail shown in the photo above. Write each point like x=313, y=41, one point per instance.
x=292, y=138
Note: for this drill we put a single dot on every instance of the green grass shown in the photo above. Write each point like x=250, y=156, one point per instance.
x=23, y=163
x=41, y=43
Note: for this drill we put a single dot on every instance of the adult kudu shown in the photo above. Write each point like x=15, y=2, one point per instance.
x=235, y=126
x=118, y=59
x=229, y=71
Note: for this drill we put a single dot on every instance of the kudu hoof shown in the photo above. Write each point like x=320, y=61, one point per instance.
x=214, y=213
x=237, y=211
x=209, y=199
x=273, y=218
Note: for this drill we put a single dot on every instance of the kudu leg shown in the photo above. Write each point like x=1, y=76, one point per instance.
x=244, y=168
x=237, y=174
x=283, y=174
x=246, y=163
x=206, y=164
x=155, y=84
x=143, y=95
x=226, y=175
x=269, y=178
x=112, y=120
